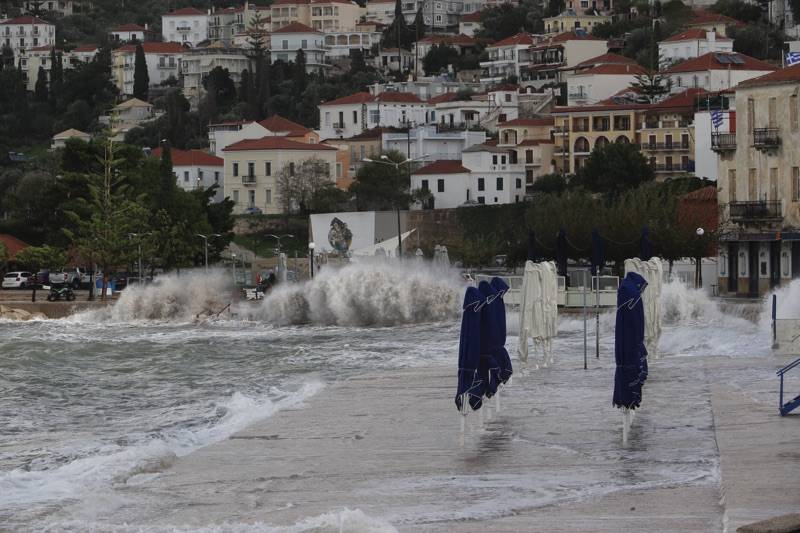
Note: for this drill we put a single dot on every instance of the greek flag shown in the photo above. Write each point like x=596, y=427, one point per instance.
x=792, y=58
x=716, y=119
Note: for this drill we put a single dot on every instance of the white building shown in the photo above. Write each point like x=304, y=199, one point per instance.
x=286, y=41
x=26, y=32
x=427, y=141
x=222, y=24
x=223, y=134
x=469, y=24
x=711, y=141
x=495, y=179
x=163, y=61
x=350, y=115
x=449, y=182
x=62, y=7
x=197, y=63
x=130, y=114
x=187, y=25
x=128, y=33
x=550, y=60
x=507, y=57
x=196, y=169
x=59, y=139
x=252, y=168
x=716, y=71
x=691, y=43
x=33, y=58
x=340, y=44
x=501, y=104
x=587, y=87
x=381, y=11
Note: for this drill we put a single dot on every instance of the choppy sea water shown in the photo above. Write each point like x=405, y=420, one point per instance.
x=104, y=400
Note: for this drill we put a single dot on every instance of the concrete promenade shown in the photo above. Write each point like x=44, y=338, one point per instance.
x=708, y=452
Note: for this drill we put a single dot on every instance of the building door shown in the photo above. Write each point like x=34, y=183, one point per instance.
x=796, y=259
x=733, y=267
x=774, y=264
x=753, y=256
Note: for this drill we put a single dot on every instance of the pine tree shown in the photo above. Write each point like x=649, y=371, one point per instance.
x=260, y=93
x=141, y=78
x=653, y=85
x=40, y=92
x=300, y=76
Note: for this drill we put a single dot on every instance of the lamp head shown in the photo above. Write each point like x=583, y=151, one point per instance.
x=311, y=246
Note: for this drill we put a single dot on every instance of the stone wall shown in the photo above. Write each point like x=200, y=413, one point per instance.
x=434, y=226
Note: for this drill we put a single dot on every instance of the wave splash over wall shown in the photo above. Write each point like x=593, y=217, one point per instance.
x=366, y=294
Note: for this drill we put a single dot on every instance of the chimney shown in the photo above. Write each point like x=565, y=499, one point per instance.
x=145, y=26
x=711, y=36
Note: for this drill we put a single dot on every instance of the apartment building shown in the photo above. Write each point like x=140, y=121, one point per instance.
x=380, y=11
x=592, y=85
x=353, y=114
x=223, y=134
x=23, y=33
x=340, y=44
x=532, y=142
x=449, y=183
x=429, y=141
x=127, y=33
x=507, y=58
x=186, y=26
x=163, y=62
x=222, y=24
x=469, y=24
x=712, y=22
x=252, y=168
x=485, y=110
x=759, y=187
x=33, y=58
x=716, y=71
x=62, y=7
x=497, y=177
x=285, y=43
x=197, y=63
x=196, y=169
x=691, y=43
x=551, y=59
x=571, y=20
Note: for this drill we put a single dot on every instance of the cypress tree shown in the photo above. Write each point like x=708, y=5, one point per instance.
x=419, y=25
x=56, y=77
x=300, y=72
x=141, y=79
x=40, y=92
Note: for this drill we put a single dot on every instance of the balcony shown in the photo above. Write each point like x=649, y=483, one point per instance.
x=249, y=179
x=666, y=147
x=338, y=125
x=765, y=139
x=561, y=130
x=723, y=142
x=758, y=211
x=674, y=167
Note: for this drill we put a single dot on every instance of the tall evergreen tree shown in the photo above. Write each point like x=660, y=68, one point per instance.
x=56, y=77
x=300, y=76
x=141, y=79
x=419, y=25
x=260, y=95
x=6, y=57
x=245, y=86
x=398, y=33
x=40, y=92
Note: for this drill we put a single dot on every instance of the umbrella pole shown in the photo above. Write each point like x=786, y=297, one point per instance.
x=497, y=402
x=597, y=315
x=585, y=363
x=625, y=426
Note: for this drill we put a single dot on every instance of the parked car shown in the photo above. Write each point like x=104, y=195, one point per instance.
x=17, y=280
x=41, y=279
x=67, y=276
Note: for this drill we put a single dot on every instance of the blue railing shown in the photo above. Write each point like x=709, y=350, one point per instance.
x=791, y=405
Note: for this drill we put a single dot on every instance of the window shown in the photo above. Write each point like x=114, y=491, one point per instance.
x=752, y=185
x=499, y=184
x=751, y=115
x=355, y=117
x=481, y=200
x=338, y=170
x=503, y=159
x=773, y=112
x=732, y=184
x=327, y=118
x=508, y=97
x=185, y=176
x=285, y=44
x=519, y=183
x=251, y=168
x=236, y=196
x=304, y=44
x=235, y=169
x=216, y=177
x=424, y=185
x=793, y=112
x=291, y=169
x=494, y=159
x=440, y=185
x=251, y=198
x=481, y=184
x=268, y=168
x=529, y=156
x=773, y=184
x=796, y=184
x=268, y=194
x=374, y=116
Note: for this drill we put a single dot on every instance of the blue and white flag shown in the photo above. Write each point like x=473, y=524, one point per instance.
x=792, y=58
x=716, y=119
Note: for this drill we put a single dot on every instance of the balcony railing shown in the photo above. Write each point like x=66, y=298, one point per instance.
x=338, y=125
x=760, y=210
x=666, y=147
x=675, y=167
x=766, y=138
x=248, y=178
x=723, y=142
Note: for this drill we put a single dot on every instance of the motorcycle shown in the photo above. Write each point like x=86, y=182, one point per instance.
x=58, y=293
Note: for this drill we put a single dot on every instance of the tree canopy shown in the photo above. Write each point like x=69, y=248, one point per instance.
x=614, y=168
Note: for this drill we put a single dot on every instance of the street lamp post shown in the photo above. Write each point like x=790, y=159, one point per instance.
x=131, y=235
x=233, y=260
x=205, y=243
x=386, y=161
x=279, y=237
x=311, y=247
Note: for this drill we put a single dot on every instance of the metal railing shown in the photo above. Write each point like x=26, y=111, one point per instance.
x=766, y=138
x=675, y=167
x=675, y=147
x=248, y=178
x=755, y=211
x=723, y=141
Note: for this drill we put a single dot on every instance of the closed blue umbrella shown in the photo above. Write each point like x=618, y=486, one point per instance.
x=561, y=252
x=489, y=366
x=646, y=251
x=531, y=246
x=629, y=350
x=495, y=320
x=598, y=253
x=470, y=381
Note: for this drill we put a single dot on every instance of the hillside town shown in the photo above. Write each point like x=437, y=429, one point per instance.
x=280, y=108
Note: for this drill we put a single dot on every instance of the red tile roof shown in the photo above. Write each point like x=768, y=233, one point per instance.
x=28, y=19
x=357, y=98
x=614, y=69
x=472, y=17
x=277, y=123
x=692, y=35
x=154, y=48
x=85, y=48
x=190, y=158
x=572, y=36
x=296, y=27
x=710, y=61
x=13, y=245
x=545, y=121
x=275, y=143
x=290, y=2
x=784, y=75
x=129, y=27
x=707, y=17
x=703, y=194
x=457, y=40
x=444, y=97
x=443, y=166
x=685, y=99
x=185, y=11
x=535, y=142
x=387, y=97
x=606, y=59
x=522, y=38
